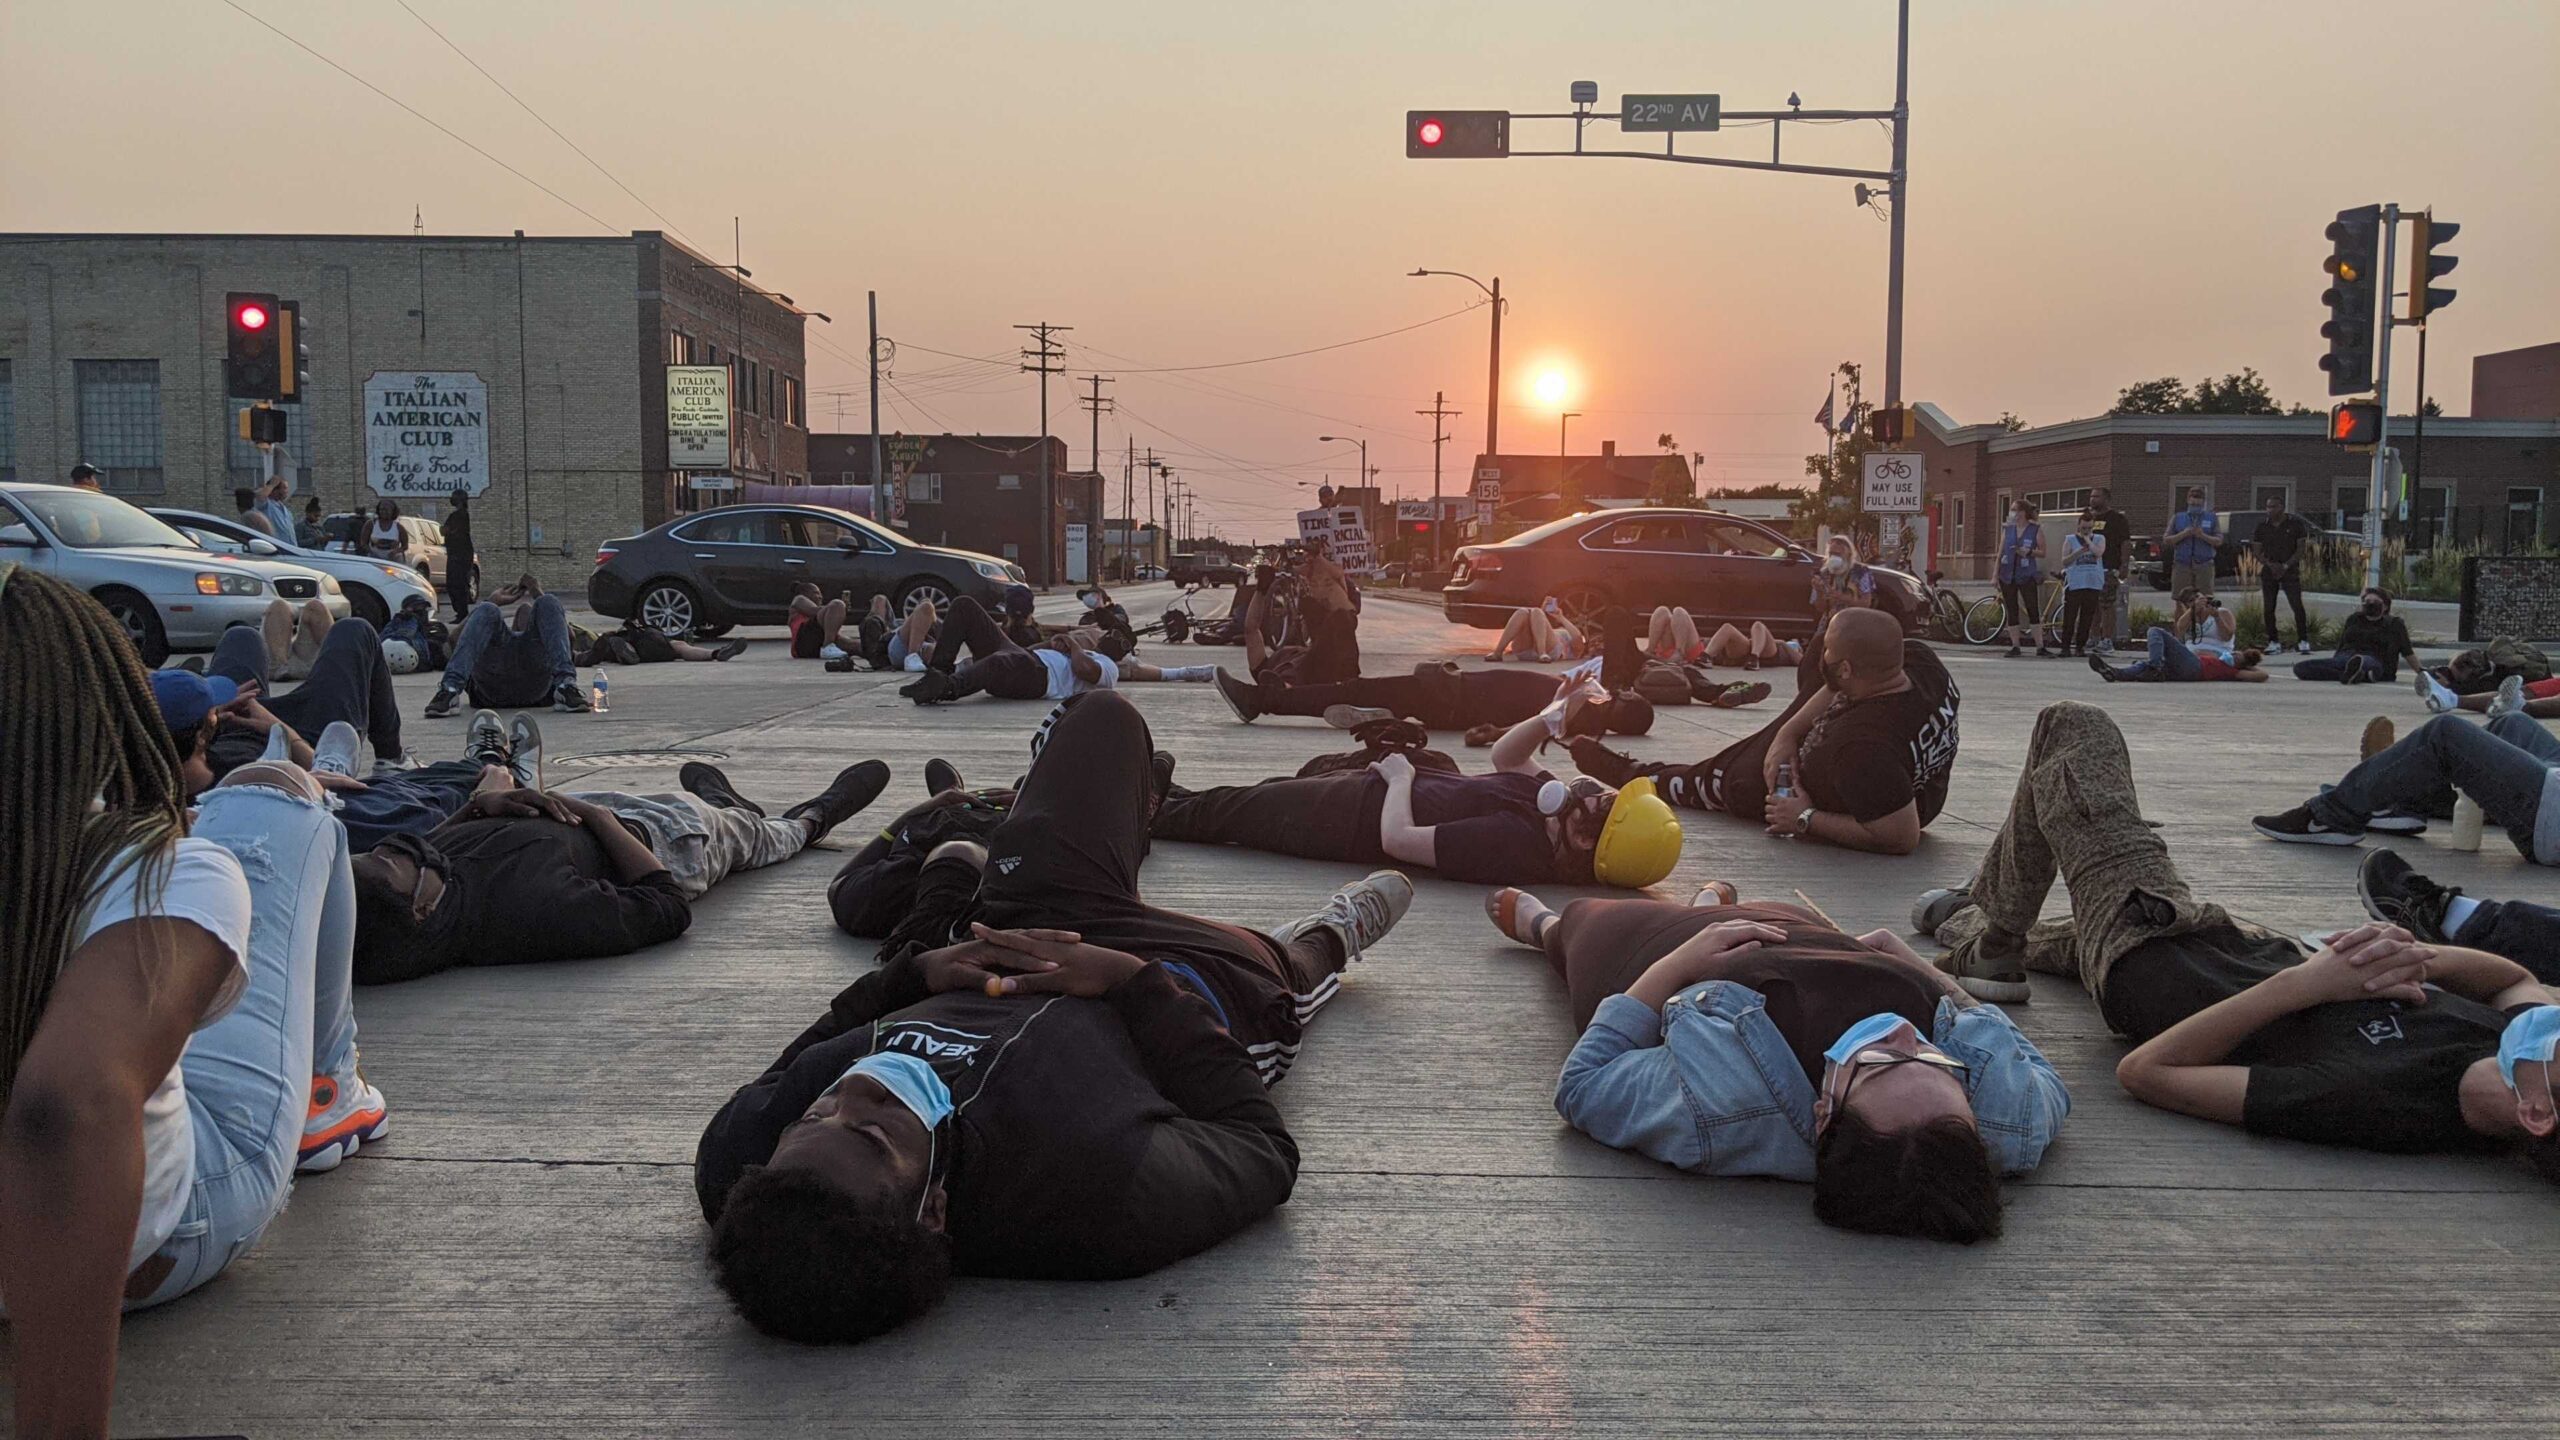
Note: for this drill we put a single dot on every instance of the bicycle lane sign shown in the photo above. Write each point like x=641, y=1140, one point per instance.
x=1897, y=483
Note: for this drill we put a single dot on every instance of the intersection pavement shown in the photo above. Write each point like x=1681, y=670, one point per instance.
x=523, y=1254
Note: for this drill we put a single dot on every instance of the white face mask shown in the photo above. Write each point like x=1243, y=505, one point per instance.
x=1838, y=564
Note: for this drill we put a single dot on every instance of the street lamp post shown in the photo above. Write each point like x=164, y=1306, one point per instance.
x=1564, y=471
x=1493, y=375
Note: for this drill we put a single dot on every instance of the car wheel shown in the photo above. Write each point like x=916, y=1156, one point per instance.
x=668, y=607
x=917, y=592
x=1582, y=605
x=368, y=605
x=141, y=623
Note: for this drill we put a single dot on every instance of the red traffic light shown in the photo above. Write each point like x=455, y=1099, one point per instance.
x=251, y=317
x=1457, y=134
x=1429, y=132
x=2357, y=422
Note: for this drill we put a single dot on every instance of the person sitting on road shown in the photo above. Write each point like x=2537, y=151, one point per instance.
x=1516, y=826
x=1758, y=1039
x=1000, y=666
x=181, y=1035
x=1072, y=1088
x=1442, y=697
x=1670, y=634
x=1841, y=583
x=513, y=662
x=2511, y=769
x=2376, y=1041
x=1870, y=740
x=2524, y=931
x=347, y=678
x=427, y=641
x=520, y=876
x=1731, y=646
x=2371, y=644
x=1538, y=633
x=2205, y=653
x=817, y=624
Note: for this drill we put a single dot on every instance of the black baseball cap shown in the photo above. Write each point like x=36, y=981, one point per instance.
x=83, y=468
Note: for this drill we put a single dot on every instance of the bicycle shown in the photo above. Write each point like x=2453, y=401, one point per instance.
x=1956, y=622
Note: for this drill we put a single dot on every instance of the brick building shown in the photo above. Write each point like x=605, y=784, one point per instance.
x=2482, y=480
x=111, y=350
x=2517, y=384
x=982, y=492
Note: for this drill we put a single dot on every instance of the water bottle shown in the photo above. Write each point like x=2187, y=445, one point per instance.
x=2466, y=824
x=601, y=696
x=1786, y=785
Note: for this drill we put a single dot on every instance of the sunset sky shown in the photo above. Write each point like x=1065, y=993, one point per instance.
x=2100, y=193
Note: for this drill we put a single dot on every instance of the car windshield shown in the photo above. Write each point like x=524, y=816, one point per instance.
x=85, y=520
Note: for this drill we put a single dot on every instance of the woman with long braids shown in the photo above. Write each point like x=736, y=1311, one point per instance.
x=175, y=1022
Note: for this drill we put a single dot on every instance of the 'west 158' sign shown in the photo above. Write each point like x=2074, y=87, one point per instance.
x=426, y=434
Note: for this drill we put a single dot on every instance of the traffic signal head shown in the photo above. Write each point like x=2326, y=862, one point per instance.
x=249, y=367
x=2426, y=235
x=2357, y=422
x=293, y=358
x=2355, y=239
x=1457, y=134
x=1888, y=424
x=261, y=425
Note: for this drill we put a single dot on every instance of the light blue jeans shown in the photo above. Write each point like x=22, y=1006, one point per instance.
x=249, y=1074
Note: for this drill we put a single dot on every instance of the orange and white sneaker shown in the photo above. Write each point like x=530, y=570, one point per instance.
x=344, y=1115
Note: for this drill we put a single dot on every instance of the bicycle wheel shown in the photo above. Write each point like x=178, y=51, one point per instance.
x=1948, y=613
x=1983, y=622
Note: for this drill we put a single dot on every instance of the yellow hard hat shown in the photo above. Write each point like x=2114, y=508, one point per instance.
x=1640, y=841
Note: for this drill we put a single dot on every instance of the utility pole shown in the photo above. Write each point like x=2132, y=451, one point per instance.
x=1438, y=412
x=879, y=477
x=1045, y=356
x=1128, y=513
x=2379, y=486
x=1901, y=190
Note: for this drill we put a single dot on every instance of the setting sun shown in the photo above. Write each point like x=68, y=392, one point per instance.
x=1553, y=387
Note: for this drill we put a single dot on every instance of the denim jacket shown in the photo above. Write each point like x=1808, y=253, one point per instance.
x=1709, y=1084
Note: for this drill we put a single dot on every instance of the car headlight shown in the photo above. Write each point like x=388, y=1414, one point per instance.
x=215, y=582
x=396, y=573
x=989, y=568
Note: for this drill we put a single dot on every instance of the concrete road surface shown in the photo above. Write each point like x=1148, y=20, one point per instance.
x=523, y=1254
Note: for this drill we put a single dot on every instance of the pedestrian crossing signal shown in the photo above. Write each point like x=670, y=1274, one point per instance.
x=2357, y=422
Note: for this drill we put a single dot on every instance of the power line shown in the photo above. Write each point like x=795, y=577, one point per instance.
x=1310, y=350
x=547, y=125
x=421, y=114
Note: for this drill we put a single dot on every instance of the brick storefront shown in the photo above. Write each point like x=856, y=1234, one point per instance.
x=982, y=492
x=570, y=336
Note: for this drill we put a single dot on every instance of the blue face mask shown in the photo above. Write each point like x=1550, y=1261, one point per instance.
x=1863, y=1034
x=912, y=1081
x=2533, y=1035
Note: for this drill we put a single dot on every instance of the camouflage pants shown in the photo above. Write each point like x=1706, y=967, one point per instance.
x=2076, y=815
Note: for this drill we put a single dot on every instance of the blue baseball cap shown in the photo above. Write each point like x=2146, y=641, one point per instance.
x=186, y=698
x=1017, y=599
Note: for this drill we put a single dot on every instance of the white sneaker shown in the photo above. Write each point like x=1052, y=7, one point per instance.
x=2439, y=699
x=2510, y=698
x=524, y=751
x=2301, y=647
x=337, y=750
x=484, y=741
x=1359, y=914
x=830, y=652
x=345, y=1113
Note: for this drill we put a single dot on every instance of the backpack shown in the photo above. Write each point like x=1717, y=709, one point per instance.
x=1664, y=684
x=874, y=894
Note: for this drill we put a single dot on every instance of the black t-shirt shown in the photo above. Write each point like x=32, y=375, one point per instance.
x=1868, y=758
x=2119, y=533
x=2373, y=1074
x=1820, y=982
x=1486, y=828
x=2383, y=639
x=524, y=890
x=2280, y=540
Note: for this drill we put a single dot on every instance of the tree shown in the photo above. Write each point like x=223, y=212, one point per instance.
x=1672, y=482
x=1774, y=490
x=2164, y=396
x=2243, y=394
x=1838, y=493
x=2431, y=409
x=2010, y=422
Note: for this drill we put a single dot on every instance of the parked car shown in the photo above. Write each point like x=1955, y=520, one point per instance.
x=1193, y=570
x=168, y=592
x=702, y=574
x=1719, y=567
x=426, y=544
x=375, y=589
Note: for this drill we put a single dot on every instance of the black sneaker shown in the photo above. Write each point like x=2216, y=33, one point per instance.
x=933, y=687
x=712, y=784
x=2014, y=654
x=1733, y=697
x=730, y=651
x=2297, y=826
x=2397, y=895
x=855, y=786
x=1600, y=762
x=571, y=697
x=443, y=703
x=2105, y=671
x=1242, y=696
x=941, y=775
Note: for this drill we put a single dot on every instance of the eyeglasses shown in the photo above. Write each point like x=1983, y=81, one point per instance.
x=1844, y=1075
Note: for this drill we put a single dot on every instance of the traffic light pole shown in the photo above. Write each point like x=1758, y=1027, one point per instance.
x=2375, y=500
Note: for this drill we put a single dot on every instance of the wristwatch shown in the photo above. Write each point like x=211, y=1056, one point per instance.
x=1804, y=822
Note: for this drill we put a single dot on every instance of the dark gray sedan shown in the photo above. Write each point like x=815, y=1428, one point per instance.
x=702, y=574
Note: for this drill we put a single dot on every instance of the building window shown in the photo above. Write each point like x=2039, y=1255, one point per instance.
x=1012, y=551
x=924, y=489
x=1955, y=528
x=2279, y=486
x=2179, y=485
x=2060, y=502
x=1008, y=482
x=795, y=407
x=8, y=425
x=119, y=402
x=2350, y=496
x=2524, y=517
x=248, y=467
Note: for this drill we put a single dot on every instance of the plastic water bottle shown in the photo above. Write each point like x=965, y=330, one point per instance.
x=601, y=696
x=2467, y=821
x=1786, y=785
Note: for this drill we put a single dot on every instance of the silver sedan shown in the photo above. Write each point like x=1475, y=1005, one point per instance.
x=375, y=588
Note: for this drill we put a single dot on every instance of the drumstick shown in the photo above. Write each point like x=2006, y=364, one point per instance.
x=1816, y=909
